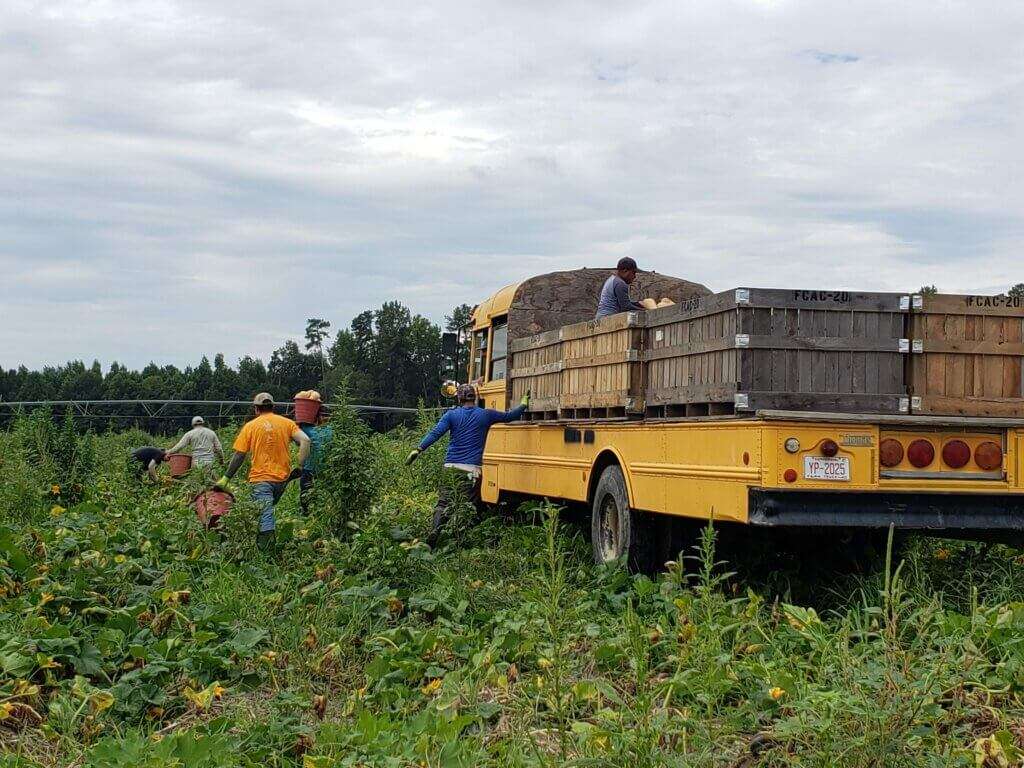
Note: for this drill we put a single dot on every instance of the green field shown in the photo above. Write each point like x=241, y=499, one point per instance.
x=131, y=637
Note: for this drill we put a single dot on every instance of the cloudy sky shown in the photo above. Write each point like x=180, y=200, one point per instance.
x=182, y=177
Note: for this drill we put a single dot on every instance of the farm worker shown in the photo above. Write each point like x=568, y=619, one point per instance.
x=319, y=434
x=203, y=441
x=265, y=439
x=149, y=457
x=615, y=293
x=469, y=425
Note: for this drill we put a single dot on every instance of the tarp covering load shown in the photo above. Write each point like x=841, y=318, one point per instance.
x=548, y=302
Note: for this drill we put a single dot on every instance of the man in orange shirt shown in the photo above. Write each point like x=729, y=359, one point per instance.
x=266, y=439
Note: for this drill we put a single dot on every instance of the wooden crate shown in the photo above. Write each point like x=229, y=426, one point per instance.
x=536, y=365
x=586, y=370
x=753, y=349
x=602, y=369
x=968, y=352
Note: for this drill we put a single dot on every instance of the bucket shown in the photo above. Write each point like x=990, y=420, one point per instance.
x=306, y=411
x=180, y=463
x=211, y=505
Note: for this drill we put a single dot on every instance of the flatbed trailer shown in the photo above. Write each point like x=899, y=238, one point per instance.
x=946, y=475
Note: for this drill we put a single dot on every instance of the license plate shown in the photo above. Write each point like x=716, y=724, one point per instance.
x=826, y=468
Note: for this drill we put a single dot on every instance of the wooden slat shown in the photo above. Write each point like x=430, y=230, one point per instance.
x=953, y=304
x=818, y=401
x=970, y=406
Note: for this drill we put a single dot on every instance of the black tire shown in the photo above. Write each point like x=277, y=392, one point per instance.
x=617, y=530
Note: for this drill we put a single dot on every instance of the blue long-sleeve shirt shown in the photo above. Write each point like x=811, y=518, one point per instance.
x=615, y=298
x=469, y=427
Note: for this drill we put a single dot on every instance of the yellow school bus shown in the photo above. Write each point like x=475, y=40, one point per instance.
x=750, y=470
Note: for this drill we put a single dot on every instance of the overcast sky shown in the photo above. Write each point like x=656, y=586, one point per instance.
x=184, y=177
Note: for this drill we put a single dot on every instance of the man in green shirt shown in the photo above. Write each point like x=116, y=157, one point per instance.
x=320, y=435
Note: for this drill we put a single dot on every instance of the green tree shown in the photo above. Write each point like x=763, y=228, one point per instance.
x=316, y=332
x=927, y=290
x=459, y=322
x=1017, y=291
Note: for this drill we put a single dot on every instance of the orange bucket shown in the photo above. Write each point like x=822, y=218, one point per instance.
x=180, y=463
x=211, y=506
x=306, y=411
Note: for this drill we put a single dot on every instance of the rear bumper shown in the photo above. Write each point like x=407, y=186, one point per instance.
x=939, y=512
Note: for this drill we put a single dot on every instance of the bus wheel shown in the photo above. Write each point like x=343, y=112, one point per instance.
x=617, y=530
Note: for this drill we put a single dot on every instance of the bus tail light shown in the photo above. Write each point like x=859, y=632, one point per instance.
x=988, y=456
x=829, y=448
x=789, y=475
x=890, y=452
x=956, y=454
x=921, y=453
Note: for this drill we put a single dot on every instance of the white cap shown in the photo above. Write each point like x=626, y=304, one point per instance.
x=196, y=420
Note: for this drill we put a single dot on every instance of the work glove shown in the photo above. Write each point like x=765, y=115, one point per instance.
x=223, y=484
x=295, y=474
x=413, y=455
x=526, y=399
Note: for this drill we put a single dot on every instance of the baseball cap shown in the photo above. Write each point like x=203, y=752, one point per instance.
x=263, y=398
x=196, y=420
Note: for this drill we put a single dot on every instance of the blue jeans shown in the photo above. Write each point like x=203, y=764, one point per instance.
x=266, y=494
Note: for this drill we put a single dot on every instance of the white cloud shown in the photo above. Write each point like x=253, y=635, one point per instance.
x=186, y=177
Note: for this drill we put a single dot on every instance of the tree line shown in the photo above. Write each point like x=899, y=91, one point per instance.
x=387, y=356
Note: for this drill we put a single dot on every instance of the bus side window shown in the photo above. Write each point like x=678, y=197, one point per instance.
x=479, y=354
x=499, y=349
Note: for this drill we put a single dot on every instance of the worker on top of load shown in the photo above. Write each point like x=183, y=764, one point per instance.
x=204, y=443
x=469, y=425
x=615, y=293
x=265, y=439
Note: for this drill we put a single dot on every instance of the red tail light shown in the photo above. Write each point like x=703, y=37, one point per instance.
x=890, y=452
x=956, y=454
x=921, y=453
x=829, y=448
x=789, y=475
x=989, y=456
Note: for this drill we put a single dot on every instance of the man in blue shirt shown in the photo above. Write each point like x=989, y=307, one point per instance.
x=319, y=436
x=615, y=293
x=469, y=425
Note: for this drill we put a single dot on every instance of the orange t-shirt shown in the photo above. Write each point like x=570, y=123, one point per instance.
x=266, y=440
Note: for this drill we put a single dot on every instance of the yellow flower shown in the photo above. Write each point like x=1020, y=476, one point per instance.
x=544, y=663
x=57, y=510
x=55, y=489
x=46, y=597
x=476, y=584
x=5, y=710
x=777, y=693
x=431, y=688
x=942, y=554
x=119, y=559
x=202, y=699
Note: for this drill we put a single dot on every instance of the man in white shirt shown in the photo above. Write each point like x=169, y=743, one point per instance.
x=204, y=443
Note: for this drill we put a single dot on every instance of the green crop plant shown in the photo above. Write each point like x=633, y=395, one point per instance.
x=129, y=635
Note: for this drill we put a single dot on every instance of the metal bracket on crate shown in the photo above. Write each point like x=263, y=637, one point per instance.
x=917, y=301
x=632, y=319
x=632, y=355
x=742, y=401
x=904, y=406
x=904, y=303
x=742, y=340
x=915, y=403
x=918, y=347
x=742, y=295
x=904, y=345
